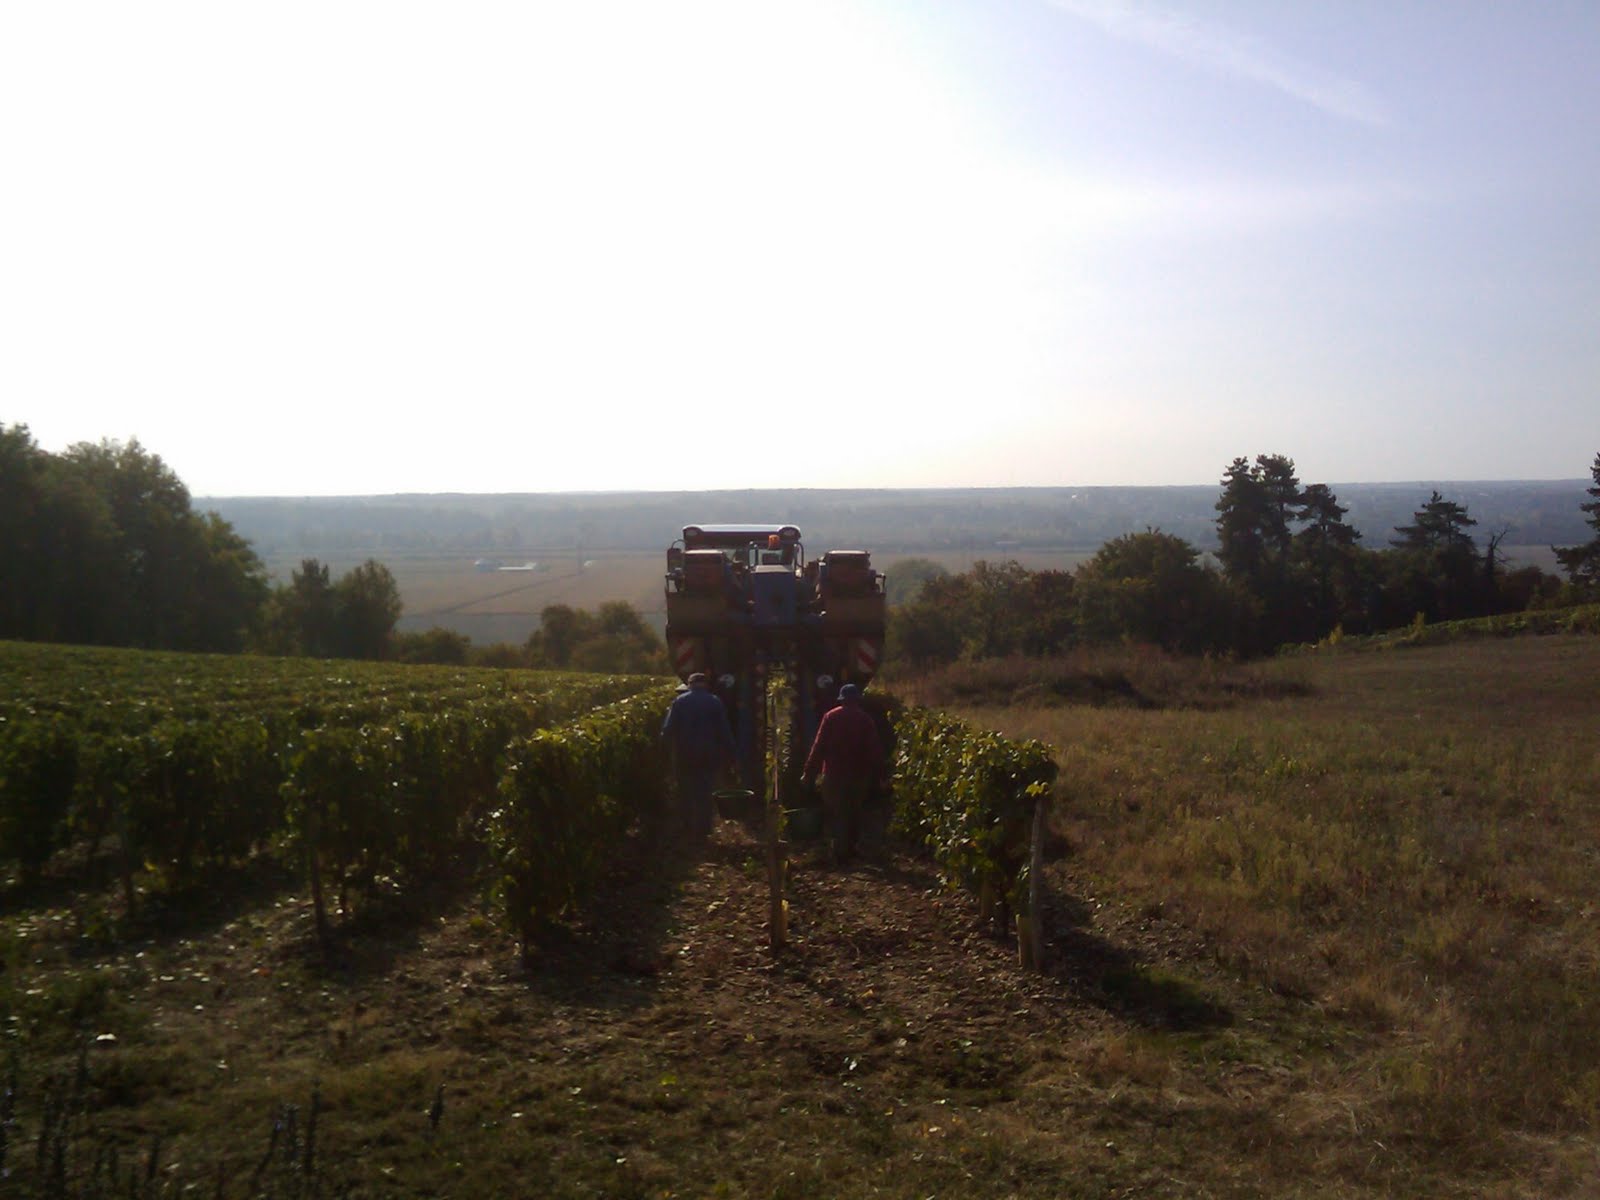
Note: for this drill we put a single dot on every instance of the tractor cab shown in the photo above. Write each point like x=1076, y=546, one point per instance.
x=749, y=546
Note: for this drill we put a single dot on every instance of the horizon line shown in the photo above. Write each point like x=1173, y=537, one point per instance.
x=1435, y=481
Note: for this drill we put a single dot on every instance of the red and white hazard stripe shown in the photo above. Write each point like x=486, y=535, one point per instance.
x=864, y=655
x=684, y=653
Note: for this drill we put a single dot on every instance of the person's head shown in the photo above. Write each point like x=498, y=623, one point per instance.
x=698, y=680
x=849, y=694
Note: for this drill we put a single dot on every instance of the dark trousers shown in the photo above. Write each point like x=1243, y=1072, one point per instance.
x=842, y=802
x=696, y=808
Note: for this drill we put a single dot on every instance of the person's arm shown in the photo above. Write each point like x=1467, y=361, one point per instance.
x=818, y=754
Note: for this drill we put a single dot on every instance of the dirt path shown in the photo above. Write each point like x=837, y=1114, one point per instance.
x=659, y=1047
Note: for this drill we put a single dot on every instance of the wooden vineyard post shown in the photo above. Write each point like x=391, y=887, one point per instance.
x=986, y=899
x=777, y=922
x=1030, y=926
x=777, y=906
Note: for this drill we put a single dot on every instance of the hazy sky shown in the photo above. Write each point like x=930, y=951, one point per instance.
x=317, y=248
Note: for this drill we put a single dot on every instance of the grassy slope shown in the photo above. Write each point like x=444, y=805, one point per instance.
x=1410, y=855
x=1336, y=944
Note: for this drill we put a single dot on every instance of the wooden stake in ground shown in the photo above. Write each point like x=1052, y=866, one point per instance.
x=777, y=907
x=777, y=923
x=1030, y=928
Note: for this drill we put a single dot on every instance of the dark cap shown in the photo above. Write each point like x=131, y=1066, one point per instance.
x=697, y=677
x=848, y=693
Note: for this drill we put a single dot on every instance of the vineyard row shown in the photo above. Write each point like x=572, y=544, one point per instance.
x=503, y=784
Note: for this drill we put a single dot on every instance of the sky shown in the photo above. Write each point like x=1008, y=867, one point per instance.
x=344, y=248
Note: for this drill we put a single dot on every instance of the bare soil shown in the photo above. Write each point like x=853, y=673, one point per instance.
x=657, y=1046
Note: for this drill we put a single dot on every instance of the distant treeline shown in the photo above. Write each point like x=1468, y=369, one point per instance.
x=1289, y=568
x=890, y=521
x=613, y=639
x=101, y=545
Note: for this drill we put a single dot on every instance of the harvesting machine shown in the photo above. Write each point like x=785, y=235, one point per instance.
x=772, y=630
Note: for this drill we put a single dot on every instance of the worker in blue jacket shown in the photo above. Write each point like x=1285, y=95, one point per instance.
x=697, y=729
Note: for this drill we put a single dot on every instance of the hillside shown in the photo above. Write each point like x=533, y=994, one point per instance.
x=583, y=549
x=889, y=520
x=1337, y=942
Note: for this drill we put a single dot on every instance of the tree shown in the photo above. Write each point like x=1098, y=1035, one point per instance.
x=1582, y=563
x=1281, y=498
x=149, y=508
x=561, y=628
x=613, y=639
x=995, y=592
x=924, y=633
x=302, y=616
x=1437, y=568
x=1439, y=524
x=1241, y=515
x=1150, y=587
x=906, y=577
x=500, y=655
x=101, y=544
x=1324, y=547
x=990, y=611
x=21, y=463
x=621, y=642
x=78, y=591
x=1255, y=542
x=366, y=604
x=229, y=588
x=435, y=645
x=59, y=559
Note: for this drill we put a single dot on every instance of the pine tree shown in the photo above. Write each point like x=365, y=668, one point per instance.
x=1582, y=563
x=1324, y=545
x=1437, y=562
x=1254, y=538
x=1439, y=524
x=1240, y=515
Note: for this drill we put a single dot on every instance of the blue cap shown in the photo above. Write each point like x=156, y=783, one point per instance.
x=849, y=692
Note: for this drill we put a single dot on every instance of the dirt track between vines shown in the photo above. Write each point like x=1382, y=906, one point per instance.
x=658, y=1046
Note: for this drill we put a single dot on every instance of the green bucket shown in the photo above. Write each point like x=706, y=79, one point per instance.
x=805, y=824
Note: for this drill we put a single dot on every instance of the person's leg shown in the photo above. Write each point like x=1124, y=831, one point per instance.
x=854, y=796
x=688, y=782
x=699, y=807
x=841, y=813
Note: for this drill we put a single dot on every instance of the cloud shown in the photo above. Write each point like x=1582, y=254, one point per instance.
x=1231, y=53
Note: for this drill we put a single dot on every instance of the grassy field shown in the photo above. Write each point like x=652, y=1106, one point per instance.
x=1321, y=928
x=1407, y=859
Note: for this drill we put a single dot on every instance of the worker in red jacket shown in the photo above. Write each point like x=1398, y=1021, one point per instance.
x=849, y=756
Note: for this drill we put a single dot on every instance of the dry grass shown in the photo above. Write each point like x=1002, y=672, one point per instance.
x=1101, y=676
x=1411, y=853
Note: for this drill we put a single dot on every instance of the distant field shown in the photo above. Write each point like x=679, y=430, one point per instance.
x=504, y=606
x=1540, y=556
